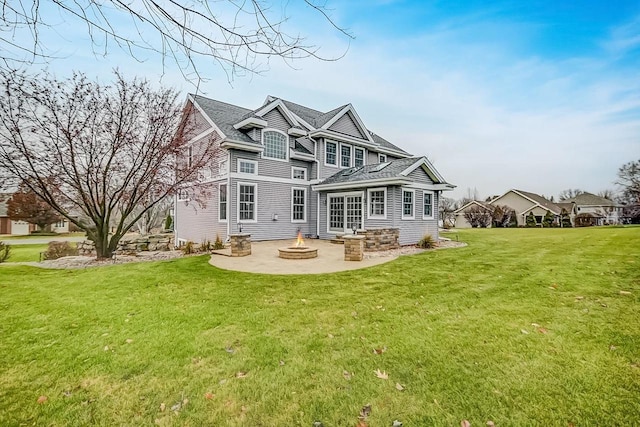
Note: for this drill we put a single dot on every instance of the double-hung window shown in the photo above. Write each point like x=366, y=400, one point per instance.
x=408, y=199
x=331, y=153
x=377, y=203
x=298, y=173
x=298, y=205
x=345, y=156
x=358, y=156
x=428, y=205
x=275, y=145
x=247, y=202
x=247, y=166
x=222, y=206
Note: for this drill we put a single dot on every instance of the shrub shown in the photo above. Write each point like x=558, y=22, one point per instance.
x=218, y=243
x=478, y=217
x=188, y=248
x=585, y=220
x=57, y=250
x=547, y=221
x=168, y=223
x=565, y=219
x=206, y=245
x=531, y=220
x=5, y=251
x=426, y=242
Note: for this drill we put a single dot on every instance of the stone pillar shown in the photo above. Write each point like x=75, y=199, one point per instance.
x=353, y=247
x=240, y=244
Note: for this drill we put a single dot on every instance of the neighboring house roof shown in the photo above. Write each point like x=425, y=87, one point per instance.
x=536, y=200
x=395, y=171
x=589, y=199
x=569, y=207
x=479, y=203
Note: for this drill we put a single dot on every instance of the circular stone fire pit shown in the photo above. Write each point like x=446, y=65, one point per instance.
x=297, y=252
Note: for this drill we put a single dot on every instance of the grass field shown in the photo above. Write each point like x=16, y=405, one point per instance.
x=25, y=253
x=522, y=327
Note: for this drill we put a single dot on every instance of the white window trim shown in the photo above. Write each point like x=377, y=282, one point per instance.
x=255, y=166
x=227, y=202
x=182, y=192
x=190, y=156
x=350, y=155
x=386, y=204
x=380, y=155
x=304, y=220
x=337, y=154
x=255, y=203
x=328, y=208
x=364, y=155
x=295, y=168
x=286, y=145
x=413, y=202
x=432, y=216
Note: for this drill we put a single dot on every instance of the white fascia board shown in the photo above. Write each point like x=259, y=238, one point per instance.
x=283, y=108
x=383, y=150
x=325, y=133
x=245, y=146
x=359, y=123
x=296, y=132
x=251, y=122
x=430, y=169
x=360, y=184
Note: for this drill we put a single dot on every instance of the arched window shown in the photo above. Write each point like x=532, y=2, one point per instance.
x=275, y=145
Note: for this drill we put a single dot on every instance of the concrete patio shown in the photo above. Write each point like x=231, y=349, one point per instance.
x=264, y=259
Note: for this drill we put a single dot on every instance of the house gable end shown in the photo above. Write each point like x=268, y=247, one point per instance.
x=282, y=109
x=346, y=124
x=427, y=167
x=355, y=121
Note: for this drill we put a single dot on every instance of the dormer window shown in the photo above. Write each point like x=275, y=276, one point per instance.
x=275, y=145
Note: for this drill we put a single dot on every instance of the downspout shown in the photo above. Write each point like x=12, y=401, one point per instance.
x=175, y=221
x=315, y=156
x=228, y=194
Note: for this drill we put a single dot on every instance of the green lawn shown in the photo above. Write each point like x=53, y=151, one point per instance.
x=23, y=253
x=522, y=327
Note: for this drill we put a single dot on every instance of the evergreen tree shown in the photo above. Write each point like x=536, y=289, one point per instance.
x=547, y=221
x=531, y=220
x=565, y=219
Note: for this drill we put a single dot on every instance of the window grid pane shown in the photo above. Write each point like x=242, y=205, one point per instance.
x=299, y=174
x=354, y=212
x=377, y=203
x=298, y=204
x=275, y=145
x=331, y=153
x=247, y=202
x=345, y=155
x=336, y=213
x=358, y=157
x=428, y=207
x=407, y=203
x=247, y=167
x=223, y=202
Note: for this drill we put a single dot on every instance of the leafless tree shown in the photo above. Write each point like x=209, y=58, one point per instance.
x=25, y=205
x=471, y=195
x=607, y=194
x=447, y=208
x=629, y=180
x=240, y=36
x=478, y=217
x=154, y=217
x=95, y=153
x=503, y=216
x=569, y=194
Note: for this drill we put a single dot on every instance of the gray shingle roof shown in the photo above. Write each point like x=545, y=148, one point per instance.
x=225, y=116
x=368, y=172
x=300, y=148
x=589, y=199
x=547, y=204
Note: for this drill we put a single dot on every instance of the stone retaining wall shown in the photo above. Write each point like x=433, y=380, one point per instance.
x=380, y=239
x=153, y=242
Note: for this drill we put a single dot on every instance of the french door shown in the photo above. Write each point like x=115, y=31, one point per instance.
x=344, y=211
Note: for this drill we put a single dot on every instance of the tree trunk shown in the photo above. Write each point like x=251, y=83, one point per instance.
x=104, y=248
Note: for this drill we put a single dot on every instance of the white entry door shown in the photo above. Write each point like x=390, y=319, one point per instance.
x=344, y=211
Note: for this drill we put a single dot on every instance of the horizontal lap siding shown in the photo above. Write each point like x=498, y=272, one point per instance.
x=197, y=223
x=347, y=126
x=276, y=120
x=412, y=230
x=197, y=123
x=272, y=198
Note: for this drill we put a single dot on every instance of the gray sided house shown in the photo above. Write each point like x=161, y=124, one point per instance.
x=283, y=168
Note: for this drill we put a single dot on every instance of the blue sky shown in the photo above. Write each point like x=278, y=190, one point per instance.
x=535, y=95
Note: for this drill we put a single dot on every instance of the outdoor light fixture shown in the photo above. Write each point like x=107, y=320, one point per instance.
x=274, y=217
x=354, y=227
x=240, y=227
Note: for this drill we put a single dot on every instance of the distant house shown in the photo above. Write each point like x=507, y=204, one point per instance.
x=601, y=210
x=461, y=220
x=9, y=226
x=284, y=168
x=524, y=203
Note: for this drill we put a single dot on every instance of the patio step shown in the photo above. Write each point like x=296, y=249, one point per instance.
x=338, y=240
